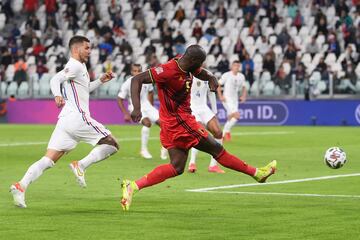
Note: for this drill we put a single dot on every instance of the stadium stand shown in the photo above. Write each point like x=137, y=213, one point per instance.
x=286, y=47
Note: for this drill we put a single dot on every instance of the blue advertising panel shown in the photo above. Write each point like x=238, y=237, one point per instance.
x=297, y=112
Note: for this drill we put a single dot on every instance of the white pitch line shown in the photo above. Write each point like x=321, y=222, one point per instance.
x=288, y=194
x=16, y=144
x=42, y=143
x=261, y=133
x=273, y=183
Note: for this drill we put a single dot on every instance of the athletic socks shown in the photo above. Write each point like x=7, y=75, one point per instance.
x=100, y=152
x=229, y=124
x=232, y=162
x=213, y=162
x=145, y=132
x=35, y=171
x=194, y=153
x=158, y=175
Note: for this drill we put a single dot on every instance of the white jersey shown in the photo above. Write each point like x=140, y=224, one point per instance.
x=232, y=85
x=76, y=88
x=125, y=93
x=75, y=123
x=199, y=92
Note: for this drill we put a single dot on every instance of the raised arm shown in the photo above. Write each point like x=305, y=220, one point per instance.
x=136, y=85
x=103, y=79
x=206, y=75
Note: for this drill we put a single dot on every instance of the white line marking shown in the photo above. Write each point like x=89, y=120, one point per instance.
x=261, y=133
x=16, y=144
x=273, y=183
x=288, y=194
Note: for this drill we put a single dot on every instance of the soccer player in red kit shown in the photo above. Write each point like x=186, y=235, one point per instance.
x=179, y=129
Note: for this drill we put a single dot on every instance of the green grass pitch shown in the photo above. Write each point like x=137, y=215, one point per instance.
x=59, y=209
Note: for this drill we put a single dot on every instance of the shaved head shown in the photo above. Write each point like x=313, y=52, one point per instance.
x=195, y=51
x=194, y=57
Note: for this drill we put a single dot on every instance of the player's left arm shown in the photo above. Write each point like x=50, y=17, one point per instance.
x=135, y=89
x=151, y=97
x=103, y=79
x=243, y=95
x=212, y=100
x=206, y=75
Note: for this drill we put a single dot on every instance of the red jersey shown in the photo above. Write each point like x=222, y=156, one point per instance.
x=178, y=127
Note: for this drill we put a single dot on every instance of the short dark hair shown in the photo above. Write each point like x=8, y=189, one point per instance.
x=77, y=39
x=236, y=61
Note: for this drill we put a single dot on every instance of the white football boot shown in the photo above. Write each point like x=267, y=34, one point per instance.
x=18, y=194
x=79, y=173
x=145, y=154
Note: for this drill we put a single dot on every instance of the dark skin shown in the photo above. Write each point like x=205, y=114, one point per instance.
x=189, y=62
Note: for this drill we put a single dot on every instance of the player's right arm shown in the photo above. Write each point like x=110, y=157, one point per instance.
x=219, y=89
x=136, y=85
x=55, y=86
x=124, y=94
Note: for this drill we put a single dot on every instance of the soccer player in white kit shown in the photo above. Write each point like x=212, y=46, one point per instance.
x=233, y=82
x=150, y=114
x=71, y=88
x=200, y=93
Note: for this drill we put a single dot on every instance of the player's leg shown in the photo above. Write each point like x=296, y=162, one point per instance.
x=193, y=154
x=145, y=132
x=104, y=143
x=192, y=164
x=154, y=117
x=233, y=117
x=159, y=174
x=105, y=147
x=209, y=145
x=213, y=126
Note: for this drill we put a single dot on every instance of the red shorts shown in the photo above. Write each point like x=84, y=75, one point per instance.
x=182, y=132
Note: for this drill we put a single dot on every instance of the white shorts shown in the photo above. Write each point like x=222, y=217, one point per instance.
x=231, y=107
x=73, y=128
x=150, y=112
x=203, y=114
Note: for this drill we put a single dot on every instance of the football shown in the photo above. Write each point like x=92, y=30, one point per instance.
x=335, y=157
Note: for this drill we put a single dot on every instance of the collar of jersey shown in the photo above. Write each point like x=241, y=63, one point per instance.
x=176, y=60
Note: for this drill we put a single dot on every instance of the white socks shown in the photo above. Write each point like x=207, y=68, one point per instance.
x=229, y=124
x=194, y=153
x=100, y=152
x=35, y=171
x=213, y=162
x=145, y=132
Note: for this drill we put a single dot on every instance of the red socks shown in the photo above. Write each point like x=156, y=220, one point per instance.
x=232, y=162
x=158, y=175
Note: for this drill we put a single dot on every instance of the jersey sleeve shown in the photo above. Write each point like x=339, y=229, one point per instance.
x=125, y=89
x=55, y=83
x=157, y=74
x=222, y=79
x=72, y=70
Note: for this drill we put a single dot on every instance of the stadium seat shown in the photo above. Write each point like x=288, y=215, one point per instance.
x=23, y=90
x=268, y=89
x=44, y=89
x=2, y=20
x=3, y=87
x=12, y=89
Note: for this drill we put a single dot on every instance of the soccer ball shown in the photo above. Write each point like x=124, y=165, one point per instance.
x=335, y=157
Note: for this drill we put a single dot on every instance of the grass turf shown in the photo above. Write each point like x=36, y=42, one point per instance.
x=59, y=209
